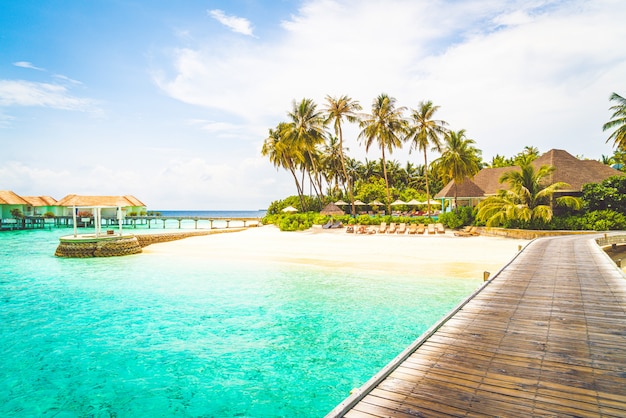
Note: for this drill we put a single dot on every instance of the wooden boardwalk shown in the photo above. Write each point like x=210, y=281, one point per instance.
x=545, y=337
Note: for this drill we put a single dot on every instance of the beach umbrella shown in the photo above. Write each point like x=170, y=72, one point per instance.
x=398, y=203
x=376, y=203
x=341, y=203
x=413, y=202
x=290, y=209
x=331, y=209
x=359, y=203
x=433, y=202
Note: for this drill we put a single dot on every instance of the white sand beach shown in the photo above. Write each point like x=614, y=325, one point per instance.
x=442, y=255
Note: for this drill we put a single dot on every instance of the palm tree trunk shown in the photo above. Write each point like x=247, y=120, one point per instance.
x=345, y=172
x=298, y=185
x=386, y=183
x=426, y=176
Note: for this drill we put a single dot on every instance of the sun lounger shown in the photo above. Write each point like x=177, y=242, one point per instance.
x=361, y=229
x=431, y=229
x=401, y=228
x=392, y=228
x=440, y=229
x=337, y=225
x=421, y=228
x=412, y=229
x=350, y=229
x=468, y=231
x=328, y=224
x=382, y=228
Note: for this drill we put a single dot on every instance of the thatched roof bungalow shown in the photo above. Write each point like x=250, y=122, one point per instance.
x=568, y=169
x=332, y=210
x=128, y=203
x=10, y=201
x=40, y=205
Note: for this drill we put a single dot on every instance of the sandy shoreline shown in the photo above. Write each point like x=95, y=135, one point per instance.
x=430, y=255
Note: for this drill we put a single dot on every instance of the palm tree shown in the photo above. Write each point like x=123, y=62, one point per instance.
x=425, y=133
x=386, y=126
x=283, y=155
x=332, y=164
x=306, y=132
x=618, y=121
x=529, y=197
x=459, y=158
x=338, y=109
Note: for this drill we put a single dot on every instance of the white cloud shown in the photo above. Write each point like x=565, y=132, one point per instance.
x=65, y=78
x=236, y=24
x=512, y=73
x=28, y=93
x=26, y=64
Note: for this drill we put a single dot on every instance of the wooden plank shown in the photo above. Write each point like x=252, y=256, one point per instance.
x=545, y=337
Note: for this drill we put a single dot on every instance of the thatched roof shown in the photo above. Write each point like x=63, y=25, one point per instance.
x=40, y=200
x=568, y=169
x=466, y=189
x=332, y=209
x=76, y=200
x=7, y=197
x=573, y=171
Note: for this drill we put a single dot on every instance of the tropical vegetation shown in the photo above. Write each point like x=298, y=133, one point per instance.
x=310, y=145
x=529, y=198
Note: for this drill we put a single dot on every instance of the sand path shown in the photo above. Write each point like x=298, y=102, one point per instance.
x=442, y=255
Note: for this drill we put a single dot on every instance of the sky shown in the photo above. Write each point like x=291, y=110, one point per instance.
x=170, y=101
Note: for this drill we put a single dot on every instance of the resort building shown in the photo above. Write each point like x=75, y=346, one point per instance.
x=130, y=205
x=568, y=169
x=32, y=211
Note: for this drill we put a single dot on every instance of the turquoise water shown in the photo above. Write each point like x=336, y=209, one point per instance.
x=144, y=336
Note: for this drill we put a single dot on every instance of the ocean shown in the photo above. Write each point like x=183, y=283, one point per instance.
x=143, y=336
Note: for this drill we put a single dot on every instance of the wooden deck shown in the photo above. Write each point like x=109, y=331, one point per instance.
x=545, y=337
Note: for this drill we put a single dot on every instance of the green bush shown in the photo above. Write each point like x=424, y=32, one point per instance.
x=597, y=220
x=456, y=219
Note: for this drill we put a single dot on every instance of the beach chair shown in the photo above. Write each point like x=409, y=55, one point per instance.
x=421, y=228
x=361, y=229
x=464, y=232
x=328, y=224
x=440, y=229
x=431, y=229
x=382, y=228
x=412, y=229
x=350, y=229
x=401, y=228
x=337, y=225
x=392, y=228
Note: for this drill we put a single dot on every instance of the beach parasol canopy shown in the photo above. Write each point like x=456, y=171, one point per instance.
x=413, y=202
x=376, y=203
x=331, y=209
x=433, y=202
x=341, y=203
x=290, y=209
x=359, y=203
x=398, y=202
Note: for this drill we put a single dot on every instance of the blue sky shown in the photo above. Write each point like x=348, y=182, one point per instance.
x=170, y=101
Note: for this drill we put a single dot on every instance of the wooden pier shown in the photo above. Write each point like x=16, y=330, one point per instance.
x=544, y=337
x=31, y=222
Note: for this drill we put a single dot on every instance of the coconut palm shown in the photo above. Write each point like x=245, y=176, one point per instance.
x=529, y=197
x=387, y=127
x=282, y=154
x=618, y=121
x=459, y=158
x=305, y=132
x=426, y=132
x=337, y=110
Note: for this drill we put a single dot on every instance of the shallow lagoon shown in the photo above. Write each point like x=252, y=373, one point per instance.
x=145, y=336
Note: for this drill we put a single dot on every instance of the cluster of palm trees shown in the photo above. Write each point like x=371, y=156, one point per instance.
x=306, y=148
